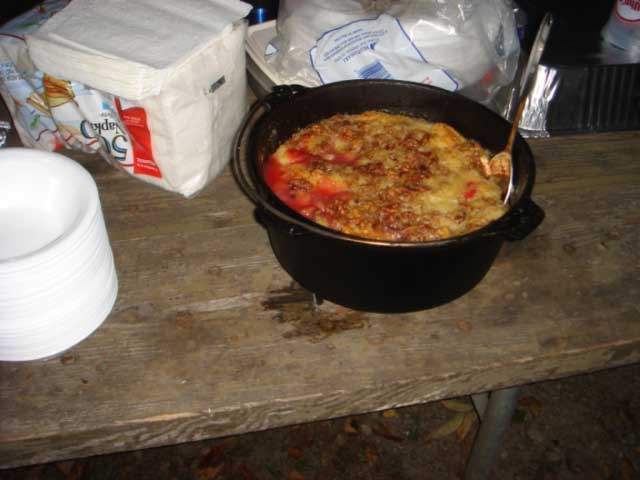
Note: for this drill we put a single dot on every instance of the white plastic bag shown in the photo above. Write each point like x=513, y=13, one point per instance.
x=469, y=46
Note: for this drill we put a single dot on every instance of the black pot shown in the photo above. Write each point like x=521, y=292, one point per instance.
x=371, y=275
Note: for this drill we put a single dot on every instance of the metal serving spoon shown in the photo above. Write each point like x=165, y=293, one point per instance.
x=503, y=160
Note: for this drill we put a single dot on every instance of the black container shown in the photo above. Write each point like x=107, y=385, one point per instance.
x=375, y=275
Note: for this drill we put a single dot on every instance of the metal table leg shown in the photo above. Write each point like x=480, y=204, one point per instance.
x=480, y=401
x=495, y=421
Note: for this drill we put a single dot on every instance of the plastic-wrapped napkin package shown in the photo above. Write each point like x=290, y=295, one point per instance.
x=157, y=87
x=21, y=84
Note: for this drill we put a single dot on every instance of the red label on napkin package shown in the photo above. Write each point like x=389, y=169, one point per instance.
x=135, y=119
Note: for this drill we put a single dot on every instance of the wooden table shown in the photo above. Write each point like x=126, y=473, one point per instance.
x=210, y=337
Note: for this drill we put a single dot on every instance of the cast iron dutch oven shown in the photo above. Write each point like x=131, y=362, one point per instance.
x=368, y=275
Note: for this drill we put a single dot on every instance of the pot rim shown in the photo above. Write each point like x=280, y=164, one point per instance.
x=300, y=225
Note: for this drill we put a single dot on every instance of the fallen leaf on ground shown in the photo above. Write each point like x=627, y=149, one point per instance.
x=245, y=472
x=448, y=427
x=457, y=406
x=295, y=475
x=371, y=454
x=209, y=473
x=467, y=423
x=466, y=445
x=213, y=456
x=383, y=431
x=295, y=452
x=351, y=427
x=71, y=470
x=627, y=469
x=391, y=413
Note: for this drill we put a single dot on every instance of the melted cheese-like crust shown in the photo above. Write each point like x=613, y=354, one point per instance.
x=386, y=177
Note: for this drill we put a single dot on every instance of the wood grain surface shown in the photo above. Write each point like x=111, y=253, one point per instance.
x=210, y=337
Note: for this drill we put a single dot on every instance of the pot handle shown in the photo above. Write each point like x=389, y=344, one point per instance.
x=521, y=221
x=266, y=218
x=279, y=94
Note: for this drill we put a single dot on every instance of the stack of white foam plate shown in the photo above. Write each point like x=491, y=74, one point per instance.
x=57, y=277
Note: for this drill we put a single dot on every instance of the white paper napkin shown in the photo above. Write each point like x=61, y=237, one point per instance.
x=129, y=47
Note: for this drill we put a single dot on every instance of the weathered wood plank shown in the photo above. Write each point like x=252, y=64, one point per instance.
x=210, y=337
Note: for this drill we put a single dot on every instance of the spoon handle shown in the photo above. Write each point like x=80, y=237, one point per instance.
x=526, y=85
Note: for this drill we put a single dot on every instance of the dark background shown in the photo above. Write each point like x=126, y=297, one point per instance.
x=592, y=13
x=12, y=8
